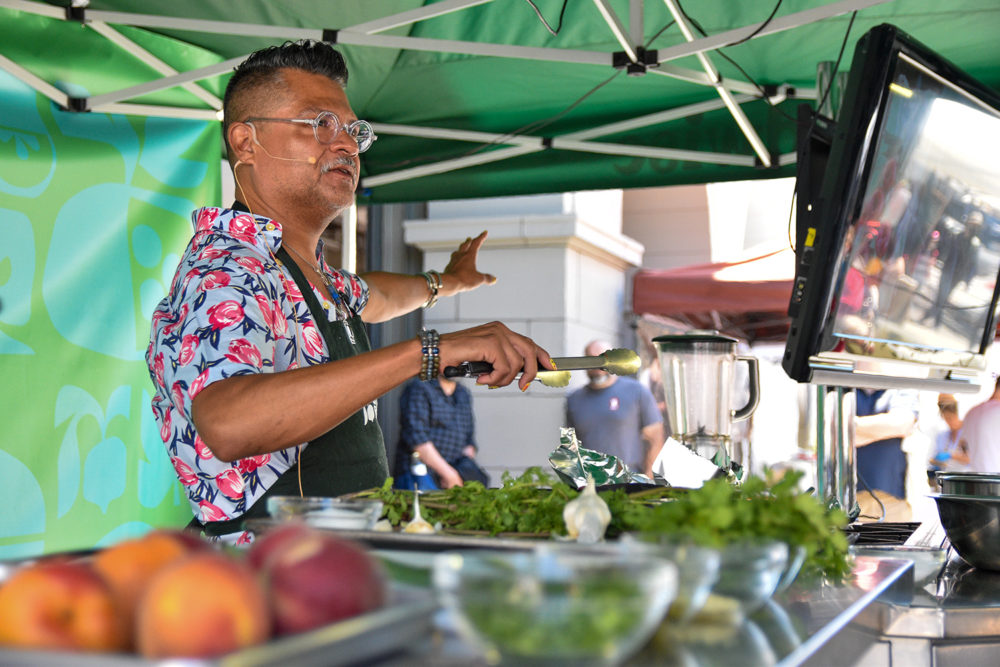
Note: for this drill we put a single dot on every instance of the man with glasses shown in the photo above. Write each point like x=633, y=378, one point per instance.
x=265, y=382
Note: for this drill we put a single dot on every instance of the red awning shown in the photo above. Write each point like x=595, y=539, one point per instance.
x=759, y=284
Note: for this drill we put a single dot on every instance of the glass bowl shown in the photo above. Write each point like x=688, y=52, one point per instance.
x=796, y=558
x=750, y=571
x=554, y=605
x=325, y=512
x=697, y=570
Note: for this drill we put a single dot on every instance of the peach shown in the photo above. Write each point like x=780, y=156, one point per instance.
x=203, y=605
x=128, y=566
x=61, y=605
x=270, y=543
x=314, y=578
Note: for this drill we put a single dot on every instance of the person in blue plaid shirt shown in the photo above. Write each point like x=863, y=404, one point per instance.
x=436, y=422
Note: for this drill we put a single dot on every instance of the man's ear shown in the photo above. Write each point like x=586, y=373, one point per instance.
x=241, y=142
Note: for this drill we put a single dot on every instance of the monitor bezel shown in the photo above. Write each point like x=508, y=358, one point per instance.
x=834, y=206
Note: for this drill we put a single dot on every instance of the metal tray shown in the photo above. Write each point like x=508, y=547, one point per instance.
x=406, y=621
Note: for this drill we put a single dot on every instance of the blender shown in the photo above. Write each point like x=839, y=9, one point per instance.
x=698, y=369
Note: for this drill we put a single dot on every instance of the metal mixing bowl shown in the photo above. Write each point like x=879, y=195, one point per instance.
x=969, y=483
x=972, y=523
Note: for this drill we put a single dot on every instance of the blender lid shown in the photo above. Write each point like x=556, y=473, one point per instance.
x=696, y=336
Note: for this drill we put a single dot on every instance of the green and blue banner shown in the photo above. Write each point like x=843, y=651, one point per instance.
x=94, y=213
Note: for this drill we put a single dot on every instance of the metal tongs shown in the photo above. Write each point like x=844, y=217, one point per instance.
x=618, y=361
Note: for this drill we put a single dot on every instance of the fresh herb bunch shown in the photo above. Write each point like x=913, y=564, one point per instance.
x=713, y=515
x=530, y=504
x=719, y=513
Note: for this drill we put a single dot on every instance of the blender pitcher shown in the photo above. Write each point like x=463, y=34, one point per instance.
x=698, y=376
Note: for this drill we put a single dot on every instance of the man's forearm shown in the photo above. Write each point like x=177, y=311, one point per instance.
x=247, y=415
x=393, y=294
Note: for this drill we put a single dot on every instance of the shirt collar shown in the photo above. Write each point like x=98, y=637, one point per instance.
x=239, y=223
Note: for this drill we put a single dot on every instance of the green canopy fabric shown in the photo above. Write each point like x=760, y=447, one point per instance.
x=552, y=106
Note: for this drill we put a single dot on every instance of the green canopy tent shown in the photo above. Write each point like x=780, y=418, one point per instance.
x=99, y=169
x=479, y=98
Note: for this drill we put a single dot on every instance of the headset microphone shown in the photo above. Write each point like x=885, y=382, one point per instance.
x=309, y=160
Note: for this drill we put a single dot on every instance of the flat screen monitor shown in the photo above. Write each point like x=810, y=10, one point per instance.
x=898, y=220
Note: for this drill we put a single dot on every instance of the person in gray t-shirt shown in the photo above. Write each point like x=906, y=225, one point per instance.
x=616, y=415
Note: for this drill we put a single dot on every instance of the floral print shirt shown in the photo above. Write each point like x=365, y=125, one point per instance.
x=233, y=309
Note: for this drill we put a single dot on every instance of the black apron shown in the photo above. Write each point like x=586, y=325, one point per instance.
x=351, y=456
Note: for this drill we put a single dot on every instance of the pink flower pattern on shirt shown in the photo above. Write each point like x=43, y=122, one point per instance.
x=232, y=310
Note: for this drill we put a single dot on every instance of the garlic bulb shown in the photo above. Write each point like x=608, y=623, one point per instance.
x=417, y=524
x=587, y=516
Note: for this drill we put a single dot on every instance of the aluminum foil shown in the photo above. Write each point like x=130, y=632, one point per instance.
x=574, y=463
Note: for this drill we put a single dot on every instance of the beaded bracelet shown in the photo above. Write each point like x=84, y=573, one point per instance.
x=430, y=363
x=433, y=279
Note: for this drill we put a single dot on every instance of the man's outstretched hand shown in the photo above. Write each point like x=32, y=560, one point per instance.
x=461, y=274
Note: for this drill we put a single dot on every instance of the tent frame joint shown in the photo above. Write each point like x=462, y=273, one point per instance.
x=644, y=59
x=775, y=162
x=330, y=35
x=77, y=104
x=76, y=13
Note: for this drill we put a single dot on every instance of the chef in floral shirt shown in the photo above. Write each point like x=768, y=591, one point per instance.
x=265, y=381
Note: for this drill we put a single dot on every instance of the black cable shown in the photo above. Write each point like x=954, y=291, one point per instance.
x=877, y=499
x=546, y=23
x=759, y=28
x=791, y=211
x=750, y=79
x=545, y=122
x=836, y=66
x=530, y=127
x=658, y=33
x=812, y=124
x=763, y=93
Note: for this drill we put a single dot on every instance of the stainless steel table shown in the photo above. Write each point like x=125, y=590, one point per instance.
x=806, y=625
x=949, y=617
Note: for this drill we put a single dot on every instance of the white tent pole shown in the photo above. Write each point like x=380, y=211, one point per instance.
x=450, y=165
x=458, y=135
x=414, y=15
x=146, y=57
x=702, y=79
x=778, y=24
x=42, y=86
x=741, y=120
x=787, y=158
x=574, y=56
x=636, y=27
x=653, y=152
x=350, y=37
x=617, y=29
x=572, y=141
x=349, y=238
x=202, y=25
x=582, y=135
x=39, y=8
x=165, y=82
x=157, y=111
x=651, y=119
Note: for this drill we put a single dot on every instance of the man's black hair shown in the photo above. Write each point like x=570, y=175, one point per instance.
x=262, y=68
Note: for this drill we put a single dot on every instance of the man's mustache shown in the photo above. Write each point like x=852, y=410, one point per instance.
x=340, y=162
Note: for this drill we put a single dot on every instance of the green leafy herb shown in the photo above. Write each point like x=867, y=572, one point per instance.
x=713, y=515
x=719, y=513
